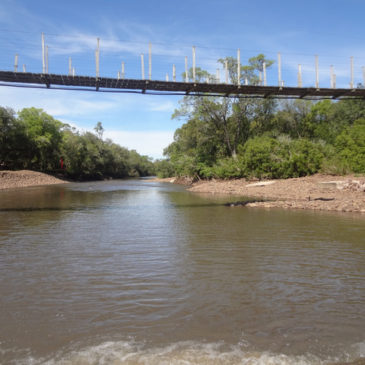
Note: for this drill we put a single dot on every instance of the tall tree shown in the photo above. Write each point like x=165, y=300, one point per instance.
x=7, y=136
x=220, y=125
x=99, y=130
x=43, y=139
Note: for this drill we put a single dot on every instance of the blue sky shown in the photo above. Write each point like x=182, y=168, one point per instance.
x=332, y=29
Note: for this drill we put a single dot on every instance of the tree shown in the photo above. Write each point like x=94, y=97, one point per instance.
x=7, y=137
x=248, y=73
x=292, y=118
x=216, y=126
x=44, y=136
x=99, y=130
x=35, y=140
x=350, y=146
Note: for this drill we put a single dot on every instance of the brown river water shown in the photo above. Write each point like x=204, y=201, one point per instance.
x=138, y=272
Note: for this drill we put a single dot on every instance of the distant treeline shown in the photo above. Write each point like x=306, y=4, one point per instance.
x=264, y=138
x=34, y=140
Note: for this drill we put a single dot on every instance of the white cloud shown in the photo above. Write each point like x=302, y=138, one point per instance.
x=151, y=143
x=79, y=42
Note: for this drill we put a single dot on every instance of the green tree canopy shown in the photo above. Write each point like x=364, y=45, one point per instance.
x=35, y=140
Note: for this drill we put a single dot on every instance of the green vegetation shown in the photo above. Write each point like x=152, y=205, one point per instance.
x=264, y=138
x=35, y=140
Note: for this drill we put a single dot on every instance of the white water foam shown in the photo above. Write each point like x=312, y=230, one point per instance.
x=358, y=350
x=186, y=353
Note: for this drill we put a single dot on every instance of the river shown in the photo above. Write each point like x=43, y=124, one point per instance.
x=140, y=272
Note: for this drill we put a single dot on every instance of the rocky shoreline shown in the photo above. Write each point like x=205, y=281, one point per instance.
x=25, y=178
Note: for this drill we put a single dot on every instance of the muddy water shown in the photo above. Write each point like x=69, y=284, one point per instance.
x=140, y=272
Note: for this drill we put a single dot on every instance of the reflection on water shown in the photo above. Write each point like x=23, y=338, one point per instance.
x=146, y=272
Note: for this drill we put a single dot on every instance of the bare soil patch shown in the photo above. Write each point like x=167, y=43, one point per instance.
x=320, y=192
x=24, y=178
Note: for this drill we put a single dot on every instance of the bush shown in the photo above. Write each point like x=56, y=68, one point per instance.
x=227, y=168
x=350, y=147
x=255, y=157
x=306, y=158
x=265, y=157
x=185, y=165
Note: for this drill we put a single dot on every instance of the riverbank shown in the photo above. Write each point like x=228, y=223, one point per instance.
x=317, y=192
x=25, y=178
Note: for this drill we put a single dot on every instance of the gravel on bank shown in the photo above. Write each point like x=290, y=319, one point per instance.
x=319, y=192
x=25, y=178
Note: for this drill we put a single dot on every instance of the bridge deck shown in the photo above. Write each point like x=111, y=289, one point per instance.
x=176, y=87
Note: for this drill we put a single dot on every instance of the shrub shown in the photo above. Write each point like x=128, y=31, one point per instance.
x=255, y=157
x=350, y=147
x=266, y=157
x=306, y=158
x=227, y=168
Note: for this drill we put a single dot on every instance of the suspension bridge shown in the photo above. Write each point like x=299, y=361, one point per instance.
x=190, y=84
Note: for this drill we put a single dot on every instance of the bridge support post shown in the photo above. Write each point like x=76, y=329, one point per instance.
x=123, y=73
x=279, y=70
x=186, y=69
x=43, y=56
x=317, y=72
x=226, y=70
x=352, y=72
x=194, y=64
x=238, y=67
x=300, y=83
x=16, y=63
x=150, y=61
x=173, y=73
x=264, y=71
x=332, y=77
x=218, y=76
x=24, y=69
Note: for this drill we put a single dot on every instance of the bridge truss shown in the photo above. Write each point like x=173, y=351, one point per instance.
x=105, y=84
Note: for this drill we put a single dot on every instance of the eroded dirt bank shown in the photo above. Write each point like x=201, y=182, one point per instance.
x=24, y=178
x=320, y=192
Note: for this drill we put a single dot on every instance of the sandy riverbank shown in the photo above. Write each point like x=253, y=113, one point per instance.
x=25, y=178
x=319, y=192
